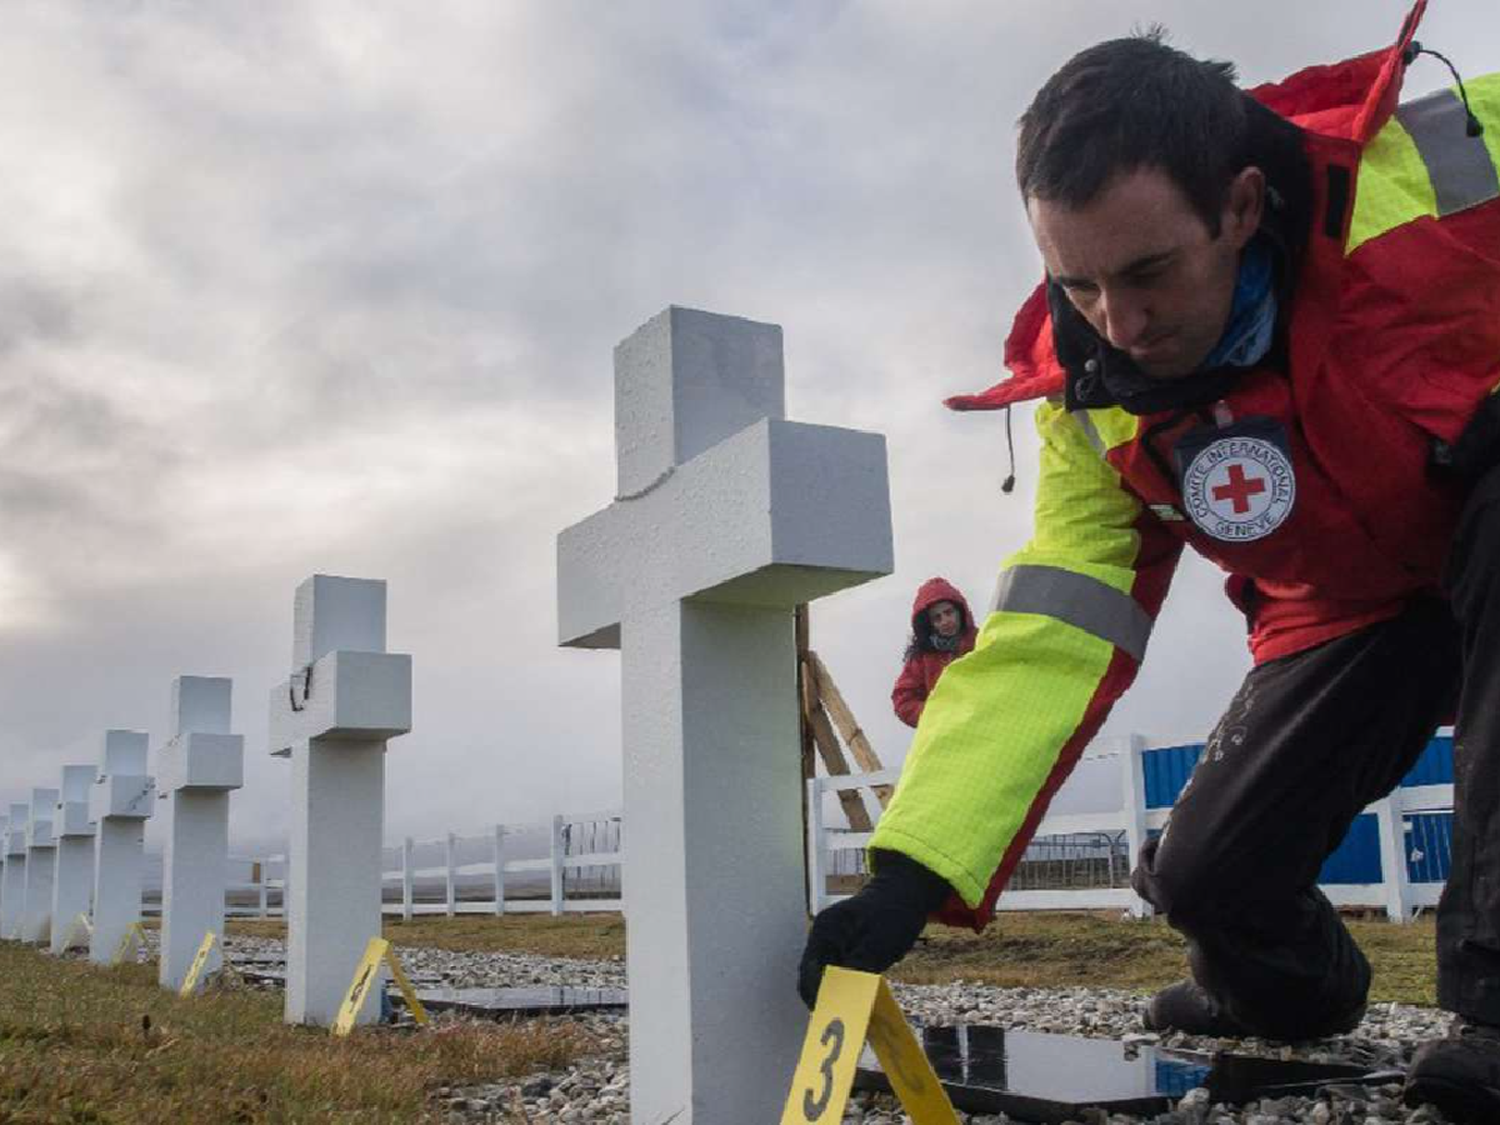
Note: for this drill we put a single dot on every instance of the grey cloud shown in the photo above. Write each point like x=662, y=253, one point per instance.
x=333, y=286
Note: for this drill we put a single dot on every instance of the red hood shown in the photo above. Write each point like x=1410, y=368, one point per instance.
x=936, y=590
x=1349, y=100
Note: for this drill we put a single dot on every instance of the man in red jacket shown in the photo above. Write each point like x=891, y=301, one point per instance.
x=942, y=630
x=1269, y=331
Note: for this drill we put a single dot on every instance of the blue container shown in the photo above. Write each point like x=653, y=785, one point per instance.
x=1357, y=859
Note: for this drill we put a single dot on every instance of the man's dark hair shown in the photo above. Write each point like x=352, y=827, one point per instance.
x=1135, y=103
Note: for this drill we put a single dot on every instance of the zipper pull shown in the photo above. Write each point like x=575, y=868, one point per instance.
x=1223, y=416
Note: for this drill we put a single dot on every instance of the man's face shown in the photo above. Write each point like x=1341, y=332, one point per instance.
x=945, y=618
x=1142, y=268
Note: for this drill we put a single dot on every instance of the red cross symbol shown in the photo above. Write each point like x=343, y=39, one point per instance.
x=1239, y=489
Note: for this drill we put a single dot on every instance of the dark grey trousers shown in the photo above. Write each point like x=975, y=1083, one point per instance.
x=1306, y=744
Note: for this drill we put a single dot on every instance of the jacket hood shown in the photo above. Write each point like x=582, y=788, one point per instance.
x=1348, y=100
x=936, y=590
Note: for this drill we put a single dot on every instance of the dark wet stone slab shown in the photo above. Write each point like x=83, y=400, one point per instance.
x=269, y=960
x=276, y=974
x=521, y=1001
x=1034, y=1076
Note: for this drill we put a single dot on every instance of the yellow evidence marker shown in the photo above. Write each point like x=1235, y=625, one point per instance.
x=130, y=941
x=190, y=982
x=365, y=976
x=852, y=1007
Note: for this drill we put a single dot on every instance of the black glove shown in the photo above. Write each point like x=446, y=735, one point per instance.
x=874, y=929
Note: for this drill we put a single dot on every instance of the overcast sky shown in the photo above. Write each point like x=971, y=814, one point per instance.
x=333, y=287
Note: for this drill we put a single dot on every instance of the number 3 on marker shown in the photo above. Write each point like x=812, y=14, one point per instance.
x=813, y=1108
x=853, y=1008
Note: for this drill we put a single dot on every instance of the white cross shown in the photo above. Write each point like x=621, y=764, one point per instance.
x=345, y=698
x=73, y=879
x=196, y=770
x=13, y=887
x=727, y=517
x=122, y=799
x=41, y=861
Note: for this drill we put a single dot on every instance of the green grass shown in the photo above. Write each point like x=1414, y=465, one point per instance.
x=1056, y=949
x=89, y=1046
x=1042, y=950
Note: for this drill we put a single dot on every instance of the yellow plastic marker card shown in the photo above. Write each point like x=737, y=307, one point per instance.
x=195, y=970
x=366, y=973
x=130, y=941
x=853, y=1007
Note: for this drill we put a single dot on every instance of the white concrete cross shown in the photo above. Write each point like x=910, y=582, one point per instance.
x=347, y=696
x=195, y=771
x=73, y=879
x=727, y=517
x=41, y=861
x=13, y=891
x=120, y=803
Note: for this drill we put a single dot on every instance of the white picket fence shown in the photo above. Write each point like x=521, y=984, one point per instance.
x=435, y=877
x=1399, y=897
x=247, y=890
x=498, y=870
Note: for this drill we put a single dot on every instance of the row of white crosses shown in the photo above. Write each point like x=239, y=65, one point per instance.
x=727, y=517
x=79, y=851
x=346, y=697
x=81, y=845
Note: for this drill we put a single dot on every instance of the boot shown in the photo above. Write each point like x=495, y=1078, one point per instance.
x=1460, y=1074
x=1189, y=1007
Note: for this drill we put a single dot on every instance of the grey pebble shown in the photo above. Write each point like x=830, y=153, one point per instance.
x=597, y=1088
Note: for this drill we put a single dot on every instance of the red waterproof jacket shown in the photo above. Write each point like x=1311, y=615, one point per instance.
x=1308, y=481
x=919, y=675
x=1394, y=341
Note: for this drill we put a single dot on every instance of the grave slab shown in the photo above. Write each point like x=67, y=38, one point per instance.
x=345, y=699
x=13, y=887
x=1050, y=1079
x=41, y=865
x=196, y=770
x=73, y=880
x=499, y=1003
x=121, y=801
x=726, y=517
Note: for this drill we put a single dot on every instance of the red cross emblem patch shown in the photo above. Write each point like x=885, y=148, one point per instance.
x=1239, y=488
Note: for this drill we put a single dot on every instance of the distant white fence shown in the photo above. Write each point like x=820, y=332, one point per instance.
x=1395, y=893
x=576, y=872
x=249, y=889
x=565, y=865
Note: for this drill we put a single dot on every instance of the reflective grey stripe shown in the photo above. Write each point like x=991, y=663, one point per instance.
x=1091, y=431
x=1078, y=600
x=1459, y=166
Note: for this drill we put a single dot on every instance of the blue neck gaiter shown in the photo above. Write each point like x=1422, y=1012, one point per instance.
x=1252, y=315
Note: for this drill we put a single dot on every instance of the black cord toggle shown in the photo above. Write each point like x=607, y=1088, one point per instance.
x=1473, y=127
x=1009, y=483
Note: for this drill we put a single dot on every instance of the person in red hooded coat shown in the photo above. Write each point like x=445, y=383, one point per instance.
x=942, y=630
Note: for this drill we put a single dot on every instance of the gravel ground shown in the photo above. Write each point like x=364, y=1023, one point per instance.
x=596, y=1089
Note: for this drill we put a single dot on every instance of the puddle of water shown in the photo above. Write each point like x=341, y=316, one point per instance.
x=1035, y=1076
